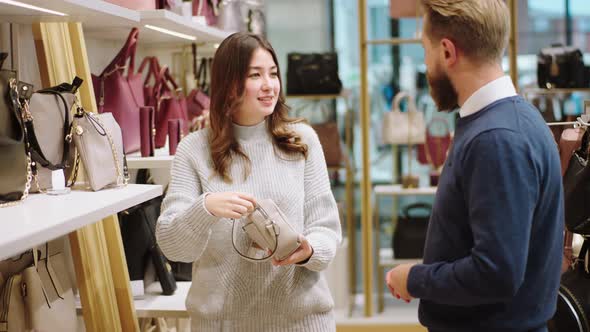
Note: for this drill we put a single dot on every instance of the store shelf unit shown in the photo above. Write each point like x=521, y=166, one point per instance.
x=43, y=217
x=104, y=20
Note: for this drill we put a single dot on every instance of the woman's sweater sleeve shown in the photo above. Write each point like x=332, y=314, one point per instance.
x=184, y=226
x=322, y=220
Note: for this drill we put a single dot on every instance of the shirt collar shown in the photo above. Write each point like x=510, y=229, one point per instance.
x=495, y=90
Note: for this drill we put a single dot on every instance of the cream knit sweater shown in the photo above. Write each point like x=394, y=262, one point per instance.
x=229, y=293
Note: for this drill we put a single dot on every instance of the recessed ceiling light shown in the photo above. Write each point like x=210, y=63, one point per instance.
x=170, y=32
x=24, y=5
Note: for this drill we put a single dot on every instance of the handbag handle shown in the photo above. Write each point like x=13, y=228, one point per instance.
x=259, y=208
x=395, y=105
x=126, y=52
x=416, y=206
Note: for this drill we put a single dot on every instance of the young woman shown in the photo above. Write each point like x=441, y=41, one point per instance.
x=251, y=151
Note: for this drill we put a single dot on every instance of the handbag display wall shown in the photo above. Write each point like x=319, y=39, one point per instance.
x=409, y=235
x=561, y=66
x=313, y=73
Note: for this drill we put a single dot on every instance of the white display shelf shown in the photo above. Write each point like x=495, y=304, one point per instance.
x=104, y=20
x=161, y=159
x=154, y=304
x=94, y=14
x=43, y=217
x=172, y=21
x=398, y=190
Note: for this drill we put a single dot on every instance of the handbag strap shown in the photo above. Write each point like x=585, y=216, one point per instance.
x=36, y=151
x=127, y=52
x=259, y=208
x=3, y=57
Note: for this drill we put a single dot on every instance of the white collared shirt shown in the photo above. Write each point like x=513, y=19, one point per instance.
x=495, y=90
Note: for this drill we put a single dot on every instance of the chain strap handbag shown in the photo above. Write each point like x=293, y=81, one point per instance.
x=268, y=229
x=99, y=144
x=16, y=169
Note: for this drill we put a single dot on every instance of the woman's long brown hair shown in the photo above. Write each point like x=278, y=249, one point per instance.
x=228, y=77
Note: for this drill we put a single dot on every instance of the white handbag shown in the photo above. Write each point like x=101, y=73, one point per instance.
x=268, y=228
x=403, y=127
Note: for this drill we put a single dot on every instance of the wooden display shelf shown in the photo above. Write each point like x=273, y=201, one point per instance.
x=43, y=217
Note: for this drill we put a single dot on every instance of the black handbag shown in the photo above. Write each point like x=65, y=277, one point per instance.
x=561, y=66
x=139, y=241
x=409, y=235
x=314, y=73
x=576, y=189
x=573, y=299
x=16, y=168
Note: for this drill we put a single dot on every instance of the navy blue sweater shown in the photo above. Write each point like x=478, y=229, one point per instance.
x=494, y=246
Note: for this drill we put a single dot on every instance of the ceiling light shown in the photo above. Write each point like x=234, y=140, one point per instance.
x=215, y=46
x=24, y=5
x=170, y=32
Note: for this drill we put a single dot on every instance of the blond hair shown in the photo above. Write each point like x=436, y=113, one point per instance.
x=479, y=28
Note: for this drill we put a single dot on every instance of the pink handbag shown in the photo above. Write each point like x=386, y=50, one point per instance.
x=403, y=8
x=197, y=100
x=122, y=94
x=135, y=4
x=207, y=8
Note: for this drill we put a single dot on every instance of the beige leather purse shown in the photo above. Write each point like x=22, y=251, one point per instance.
x=40, y=297
x=99, y=142
x=268, y=227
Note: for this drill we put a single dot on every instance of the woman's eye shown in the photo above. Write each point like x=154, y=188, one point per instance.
x=274, y=74
x=254, y=75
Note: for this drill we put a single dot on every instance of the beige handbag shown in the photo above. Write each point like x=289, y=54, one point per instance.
x=403, y=127
x=40, y=297
x=268, y=228
x=51, y=112
x=99, y=142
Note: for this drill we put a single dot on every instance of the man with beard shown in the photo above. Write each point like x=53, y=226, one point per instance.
x=493, y=251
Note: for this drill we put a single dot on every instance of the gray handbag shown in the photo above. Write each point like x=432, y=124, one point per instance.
x=99, y=143
x=51, y=147
x=15, y=161
x=268, y=227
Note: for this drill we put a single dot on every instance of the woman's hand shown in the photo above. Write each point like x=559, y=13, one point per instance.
x=232, y=205
x=302, y=253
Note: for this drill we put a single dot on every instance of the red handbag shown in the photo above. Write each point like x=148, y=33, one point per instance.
x=207, y=8
x=171, y=105
x=434, y=150
x=122, y=94
x=197, y=100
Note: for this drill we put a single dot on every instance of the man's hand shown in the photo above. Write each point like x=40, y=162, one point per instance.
x=397, y=281
x=302, y=253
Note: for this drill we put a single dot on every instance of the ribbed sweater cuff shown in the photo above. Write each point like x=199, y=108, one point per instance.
x=323, y=252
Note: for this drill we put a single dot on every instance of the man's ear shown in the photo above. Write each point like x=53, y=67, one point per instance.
x=449, y=52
